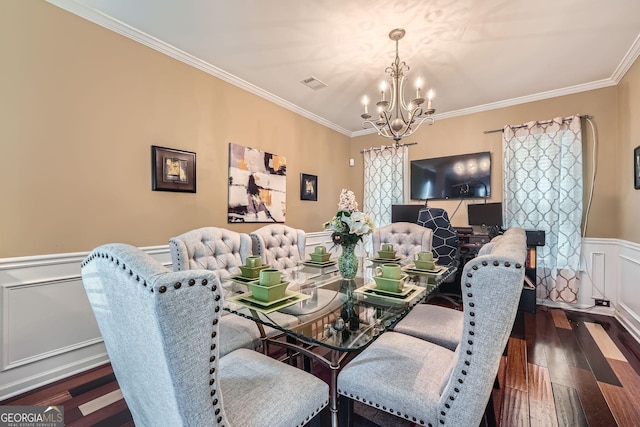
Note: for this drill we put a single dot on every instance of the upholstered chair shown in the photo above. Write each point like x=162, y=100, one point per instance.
x=161, y=332
x=431, y=385
x=407, y=239
x=222, y=251
x=436, y=324
x=279, y=245
x=210, y=248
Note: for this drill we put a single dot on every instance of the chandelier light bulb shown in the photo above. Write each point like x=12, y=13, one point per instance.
x=418, y=87
x=365, y=102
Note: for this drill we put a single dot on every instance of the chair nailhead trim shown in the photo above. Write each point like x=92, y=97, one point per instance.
x=163, y=289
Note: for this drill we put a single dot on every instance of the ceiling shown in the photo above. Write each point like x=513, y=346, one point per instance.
x=476, y=55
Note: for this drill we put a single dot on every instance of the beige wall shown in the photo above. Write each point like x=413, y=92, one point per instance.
x=629, y=117
x=81, y=107
x=464, y=134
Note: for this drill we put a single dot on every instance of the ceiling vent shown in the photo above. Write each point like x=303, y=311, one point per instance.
x=313, y=83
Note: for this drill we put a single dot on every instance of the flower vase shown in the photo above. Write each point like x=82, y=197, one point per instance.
x=348, y=261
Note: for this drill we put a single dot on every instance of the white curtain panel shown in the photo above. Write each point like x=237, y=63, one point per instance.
x=385, y=172
x=543, y=191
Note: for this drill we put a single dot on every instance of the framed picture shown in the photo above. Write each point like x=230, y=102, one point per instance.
x=173, y=170
x=257, y=185
x=308, y=187
x=636, y=168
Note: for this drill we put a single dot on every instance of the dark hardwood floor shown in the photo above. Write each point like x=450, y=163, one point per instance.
x=561, y=368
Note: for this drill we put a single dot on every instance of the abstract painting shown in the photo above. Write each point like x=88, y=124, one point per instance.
x=257, y=185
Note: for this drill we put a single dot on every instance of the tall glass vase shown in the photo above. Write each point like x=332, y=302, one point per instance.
x=348, y=261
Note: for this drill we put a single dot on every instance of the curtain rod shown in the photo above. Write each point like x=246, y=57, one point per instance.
x=384, y=147
x=537, y=124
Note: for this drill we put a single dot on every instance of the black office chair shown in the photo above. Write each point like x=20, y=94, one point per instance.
x=445, y=247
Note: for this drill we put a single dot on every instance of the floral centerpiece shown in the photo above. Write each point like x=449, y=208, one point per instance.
x=349, y=226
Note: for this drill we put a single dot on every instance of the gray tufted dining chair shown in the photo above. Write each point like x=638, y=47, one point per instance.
x=279, y=245
x=431, y=385
x=436, y=324
x=222, y=251
x=210, y=248
x=407, y=239
x=161, y=332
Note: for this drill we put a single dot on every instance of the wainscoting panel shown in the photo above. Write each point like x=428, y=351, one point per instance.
x=42, y=321
x=47, y=328
x=628, y=307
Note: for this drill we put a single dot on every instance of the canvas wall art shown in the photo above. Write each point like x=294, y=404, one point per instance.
x=257, y=185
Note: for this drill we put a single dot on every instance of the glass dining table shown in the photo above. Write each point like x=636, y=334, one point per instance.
x=327, y=318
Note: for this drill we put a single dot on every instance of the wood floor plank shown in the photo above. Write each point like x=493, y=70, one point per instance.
x=625, y=410
x=605, y=343
x=573, y=353
x=597, y=362
x=596, y=408
x=90, y=395
x=620, y=336
x=552, y=346
x=64, y=385
x=517, y=364
x=498, y=390
x=515, y=408
x=542, y=407
x=98, y=416
x=560, y=319
x=535, y=348
x=628, y=377
x=568, y=407
x=100, y=402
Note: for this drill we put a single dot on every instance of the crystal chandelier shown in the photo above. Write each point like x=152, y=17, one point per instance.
x=397, y=119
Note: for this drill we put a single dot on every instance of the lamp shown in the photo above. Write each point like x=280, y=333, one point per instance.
x=397, y=119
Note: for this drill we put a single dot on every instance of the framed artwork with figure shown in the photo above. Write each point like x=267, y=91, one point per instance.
x=308, y=187
x=636, y=168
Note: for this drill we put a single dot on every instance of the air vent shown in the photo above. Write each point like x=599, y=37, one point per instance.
x=313, y=83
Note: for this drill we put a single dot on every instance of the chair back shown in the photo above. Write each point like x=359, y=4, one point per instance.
x=491, y=288
x=160, y=329
x=279, y=245
x=210, y=248
x=407, y=238
x=445, y=237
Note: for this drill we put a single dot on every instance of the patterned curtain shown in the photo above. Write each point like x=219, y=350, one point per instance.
x=543, y=191
x=384, y=181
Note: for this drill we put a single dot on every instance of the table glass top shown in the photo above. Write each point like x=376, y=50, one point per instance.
x=321, y=308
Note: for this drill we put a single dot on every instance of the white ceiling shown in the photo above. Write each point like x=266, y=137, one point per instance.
x=476, y=55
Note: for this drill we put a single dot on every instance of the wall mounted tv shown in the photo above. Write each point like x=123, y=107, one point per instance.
x=453, y=177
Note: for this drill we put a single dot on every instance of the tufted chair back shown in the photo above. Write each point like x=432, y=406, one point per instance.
x=210, y=248
x=161, y=331
x=432, y=385
x=407, y=239
x=279, y=245
x=137, y=300
x=491, y=288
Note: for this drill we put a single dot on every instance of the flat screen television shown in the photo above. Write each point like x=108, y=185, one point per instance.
x=485, y=214
x=452, y=177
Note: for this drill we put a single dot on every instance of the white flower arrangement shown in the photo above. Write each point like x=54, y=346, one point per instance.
x=349, y=225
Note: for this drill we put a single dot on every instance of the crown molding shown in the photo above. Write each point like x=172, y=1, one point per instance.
x=92, y=15
x=123, y=29
x=628, y=60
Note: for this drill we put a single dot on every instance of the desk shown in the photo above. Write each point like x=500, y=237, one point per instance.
x=339, y=315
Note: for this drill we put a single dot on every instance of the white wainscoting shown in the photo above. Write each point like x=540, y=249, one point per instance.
x=47, y=328
x=48, y=332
